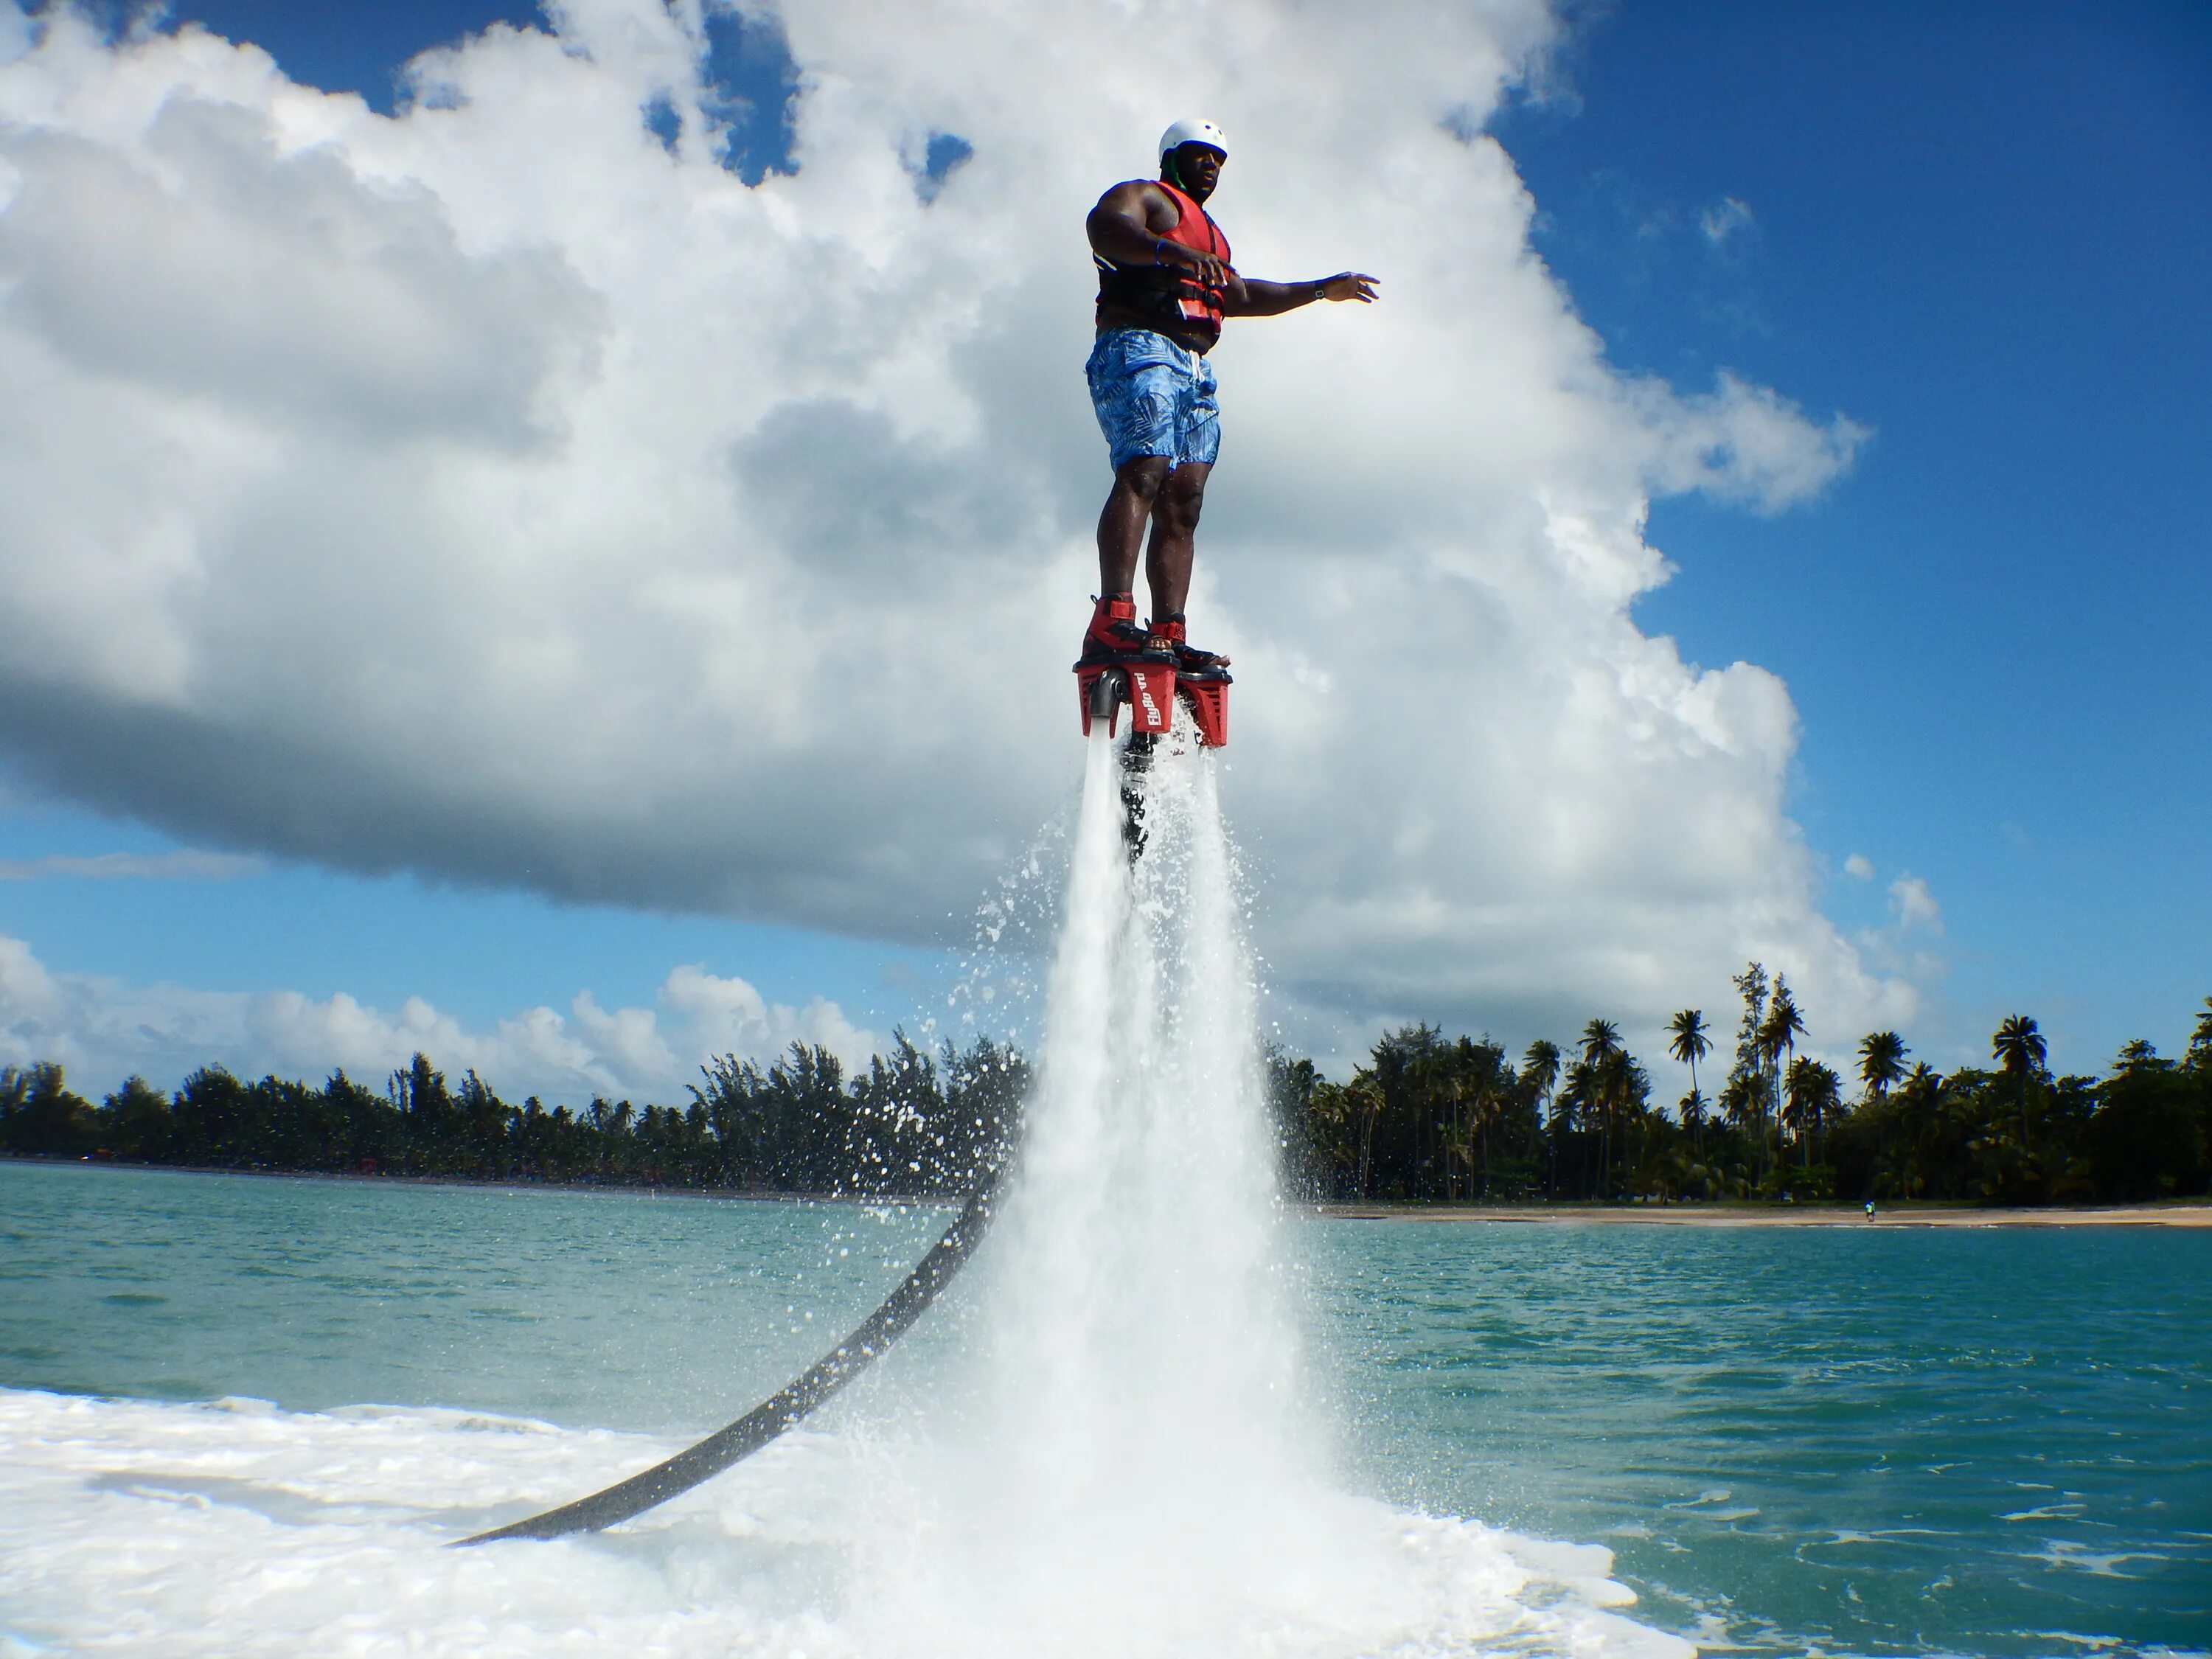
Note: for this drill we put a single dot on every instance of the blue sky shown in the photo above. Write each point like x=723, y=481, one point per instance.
x=1982, y=231
x=1986, y=231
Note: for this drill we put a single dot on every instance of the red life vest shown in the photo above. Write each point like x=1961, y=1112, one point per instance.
x=1179, y=301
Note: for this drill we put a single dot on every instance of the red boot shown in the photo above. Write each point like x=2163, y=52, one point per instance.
x=1113, y=631
x=1190, y=661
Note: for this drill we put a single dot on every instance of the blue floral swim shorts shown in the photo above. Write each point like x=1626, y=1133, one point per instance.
x=1153, y=397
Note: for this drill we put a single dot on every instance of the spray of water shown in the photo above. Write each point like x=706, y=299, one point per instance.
x=1140, y=1351
x=1141, y=1477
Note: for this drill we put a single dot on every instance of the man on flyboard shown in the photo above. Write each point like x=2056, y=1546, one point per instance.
x=1164, y=284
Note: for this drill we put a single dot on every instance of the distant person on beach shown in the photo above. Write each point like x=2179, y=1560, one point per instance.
x=1869, y=1209
x=1164, y=285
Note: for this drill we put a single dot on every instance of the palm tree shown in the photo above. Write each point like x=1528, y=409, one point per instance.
x=1777, y=1036
x=1825, y=1100
x=1540, y=1075
x=1920, y=1095
x=1488, y=1104
x=1740, y=1104
x=1601, y=1041
x=1539, y=1071
x=1465, y=1095
x=1455, y=1138
x=1881, y=1062
x=1601, y=1049
x=1813, y=1095
x=1366, y=1095
x=2019, y=1047
x=1784, y=1025
x=1624, y=1090
x=1692, y=1107
x=1690, y=1045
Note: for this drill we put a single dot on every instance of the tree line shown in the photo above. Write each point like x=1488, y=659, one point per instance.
x=1433, y=1119
x=913, y=1124
x=1428, y=1119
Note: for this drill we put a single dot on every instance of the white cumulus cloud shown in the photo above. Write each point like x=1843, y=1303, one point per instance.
x=102, y=1029
x=1913, y=905
x=1859, y=867
x=494, y=493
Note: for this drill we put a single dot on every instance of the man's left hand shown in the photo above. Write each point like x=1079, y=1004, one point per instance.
x=1350, y=285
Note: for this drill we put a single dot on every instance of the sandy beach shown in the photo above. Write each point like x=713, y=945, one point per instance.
x=1780, y=1215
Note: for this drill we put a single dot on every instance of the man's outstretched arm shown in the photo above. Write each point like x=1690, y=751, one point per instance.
x=1263, y=299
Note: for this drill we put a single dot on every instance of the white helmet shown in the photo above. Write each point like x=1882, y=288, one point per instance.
x=1193, y=132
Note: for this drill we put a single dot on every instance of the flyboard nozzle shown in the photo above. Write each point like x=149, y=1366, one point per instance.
x=1108, y=691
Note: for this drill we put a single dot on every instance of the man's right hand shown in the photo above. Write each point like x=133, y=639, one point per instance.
x=1210, y=271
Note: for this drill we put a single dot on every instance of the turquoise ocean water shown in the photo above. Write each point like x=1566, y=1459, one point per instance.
x=1795, y=1440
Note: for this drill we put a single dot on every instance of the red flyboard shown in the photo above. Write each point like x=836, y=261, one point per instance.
x=1151, y=697
x=1209, y=708
x=1150, y=688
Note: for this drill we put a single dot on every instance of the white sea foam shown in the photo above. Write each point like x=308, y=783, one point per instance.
x=1132, y=1470
x=239, y=1528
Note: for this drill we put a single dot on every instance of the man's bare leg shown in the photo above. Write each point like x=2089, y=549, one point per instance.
x=1175, y=509
x=1121, y=522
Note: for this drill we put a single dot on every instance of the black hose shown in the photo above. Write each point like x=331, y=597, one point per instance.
x=772, y=1416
